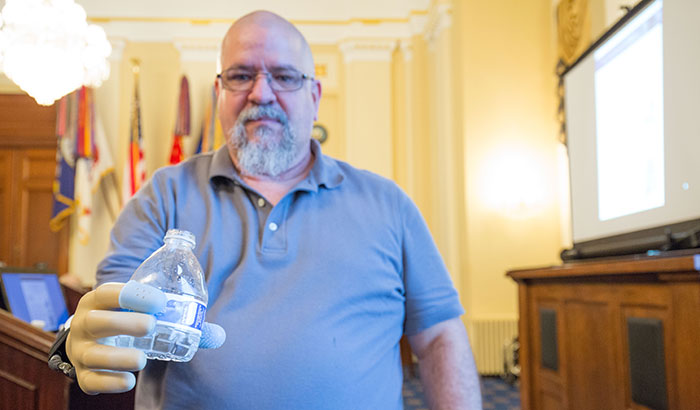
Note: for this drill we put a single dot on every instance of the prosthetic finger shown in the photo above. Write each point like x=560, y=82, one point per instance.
x=105, y=369
x=94, y=382
x=104, y=323
x=99, y=356
x=105, y=296
x=213, y=336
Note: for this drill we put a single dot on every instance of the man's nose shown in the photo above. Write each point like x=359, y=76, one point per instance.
x=262, y=93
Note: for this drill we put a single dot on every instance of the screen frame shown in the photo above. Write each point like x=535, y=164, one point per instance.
x=60, y=307
x=634, y=11
x=654, y=240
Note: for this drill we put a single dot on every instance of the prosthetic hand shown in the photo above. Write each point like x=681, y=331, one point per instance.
x=106, y=369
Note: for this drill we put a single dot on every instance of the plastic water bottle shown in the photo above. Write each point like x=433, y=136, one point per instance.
x=174, y=269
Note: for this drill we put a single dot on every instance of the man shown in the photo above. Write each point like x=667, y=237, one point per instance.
x=314, y=268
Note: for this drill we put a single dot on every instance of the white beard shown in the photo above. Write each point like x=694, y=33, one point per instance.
x=266, y=154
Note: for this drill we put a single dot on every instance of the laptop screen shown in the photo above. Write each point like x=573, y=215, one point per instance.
x=34, y=297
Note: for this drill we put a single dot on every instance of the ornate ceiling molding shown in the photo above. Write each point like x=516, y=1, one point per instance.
x=118, y=45
x=439, y=19
x=162, y=29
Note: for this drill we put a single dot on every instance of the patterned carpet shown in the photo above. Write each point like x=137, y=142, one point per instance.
x=496, y=394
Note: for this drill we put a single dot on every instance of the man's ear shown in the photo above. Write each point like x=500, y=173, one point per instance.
x=316, y=96
x=217, y=86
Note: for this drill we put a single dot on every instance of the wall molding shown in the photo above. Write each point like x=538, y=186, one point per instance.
x=367, y=50
x=439, y=19
x=118, y=45
x=161, y=29
x=198, y=49
x=406, y=47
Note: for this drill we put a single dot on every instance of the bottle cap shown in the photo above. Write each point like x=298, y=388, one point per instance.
x=186, y=236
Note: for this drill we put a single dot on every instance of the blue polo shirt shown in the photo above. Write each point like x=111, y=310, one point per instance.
x=314, y=293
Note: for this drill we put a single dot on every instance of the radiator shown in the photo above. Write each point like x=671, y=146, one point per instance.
x=488, y=339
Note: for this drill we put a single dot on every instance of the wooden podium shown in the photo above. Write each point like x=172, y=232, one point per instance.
x=612, y=334
x=27, y=383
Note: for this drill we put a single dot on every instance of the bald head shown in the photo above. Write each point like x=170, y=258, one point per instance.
x=261, y=28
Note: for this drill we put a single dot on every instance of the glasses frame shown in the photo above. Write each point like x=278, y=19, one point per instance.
x=270, y=82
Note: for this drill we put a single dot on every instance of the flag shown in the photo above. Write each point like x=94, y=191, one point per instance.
x=63, y=185
x=182, y=123
x=135, y=169
x=85, y=149
x=102, y=175
x=211, y=134
x=93, y=174
x=93, y=162
x=84, y=138
x=83, y=198
x=83, y=160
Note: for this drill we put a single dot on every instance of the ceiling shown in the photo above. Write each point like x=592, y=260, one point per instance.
x=307, y=10
x=205, y=21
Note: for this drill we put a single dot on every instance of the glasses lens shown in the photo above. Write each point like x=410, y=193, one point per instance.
x=279, y=80
x=287, y=80
x=238, y=80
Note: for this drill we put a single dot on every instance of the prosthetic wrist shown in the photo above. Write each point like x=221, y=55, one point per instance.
x=58, y=359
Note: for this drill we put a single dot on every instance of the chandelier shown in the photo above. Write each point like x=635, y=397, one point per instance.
x=48, y=49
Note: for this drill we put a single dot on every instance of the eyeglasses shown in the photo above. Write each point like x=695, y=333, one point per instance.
x=279, y=80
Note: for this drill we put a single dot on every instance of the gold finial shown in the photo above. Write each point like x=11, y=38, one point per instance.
x=135, y=65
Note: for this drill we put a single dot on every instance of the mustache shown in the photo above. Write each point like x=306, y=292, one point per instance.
x=258, y=112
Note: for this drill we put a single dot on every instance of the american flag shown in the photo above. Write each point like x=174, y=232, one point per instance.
x=83, y=162
x=182, y=124
x=135, y=169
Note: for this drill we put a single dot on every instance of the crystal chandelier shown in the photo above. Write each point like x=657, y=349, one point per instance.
x=48, y=49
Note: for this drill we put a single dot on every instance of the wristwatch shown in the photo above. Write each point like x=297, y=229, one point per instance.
x=58, y=359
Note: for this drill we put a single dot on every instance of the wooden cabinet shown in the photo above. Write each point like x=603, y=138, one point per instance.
x=27, y=383
x=27, y=169
x=615, y=334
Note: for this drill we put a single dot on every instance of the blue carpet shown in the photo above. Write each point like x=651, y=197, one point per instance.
x=496, y=394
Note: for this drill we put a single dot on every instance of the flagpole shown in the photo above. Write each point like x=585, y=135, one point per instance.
x=135, y=66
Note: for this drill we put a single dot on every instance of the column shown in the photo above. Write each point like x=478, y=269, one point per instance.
x=368, y=107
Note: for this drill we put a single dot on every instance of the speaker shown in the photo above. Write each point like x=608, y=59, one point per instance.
x=647, y=364
x=548, y=339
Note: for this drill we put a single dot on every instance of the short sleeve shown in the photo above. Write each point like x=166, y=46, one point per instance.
x=431, y=297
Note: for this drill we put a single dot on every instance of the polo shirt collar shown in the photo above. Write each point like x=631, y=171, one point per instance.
x=325, y=172
x=222, y=166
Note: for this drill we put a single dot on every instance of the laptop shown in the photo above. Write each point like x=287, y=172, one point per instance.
x=34, y=296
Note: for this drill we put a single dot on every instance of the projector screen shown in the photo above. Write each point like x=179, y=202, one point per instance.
x=632, y=120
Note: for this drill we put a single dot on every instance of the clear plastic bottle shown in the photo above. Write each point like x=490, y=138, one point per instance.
x=174, y=269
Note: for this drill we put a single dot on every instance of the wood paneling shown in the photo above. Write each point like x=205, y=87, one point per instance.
x=6, y=201
x=550, y=401
x=686, y=309
x=27, y=169
x=36, y=202
x=26, y=382
x=19, y=110
x=588, y=335
x=593, y=302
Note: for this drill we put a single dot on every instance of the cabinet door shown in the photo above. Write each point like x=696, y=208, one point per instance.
x=27, y=167
x=5, y=205
x=34, y=241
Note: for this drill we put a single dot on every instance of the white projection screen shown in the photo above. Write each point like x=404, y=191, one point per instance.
x=633, y=124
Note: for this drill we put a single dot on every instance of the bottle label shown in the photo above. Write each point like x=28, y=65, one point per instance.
x=183, y=310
